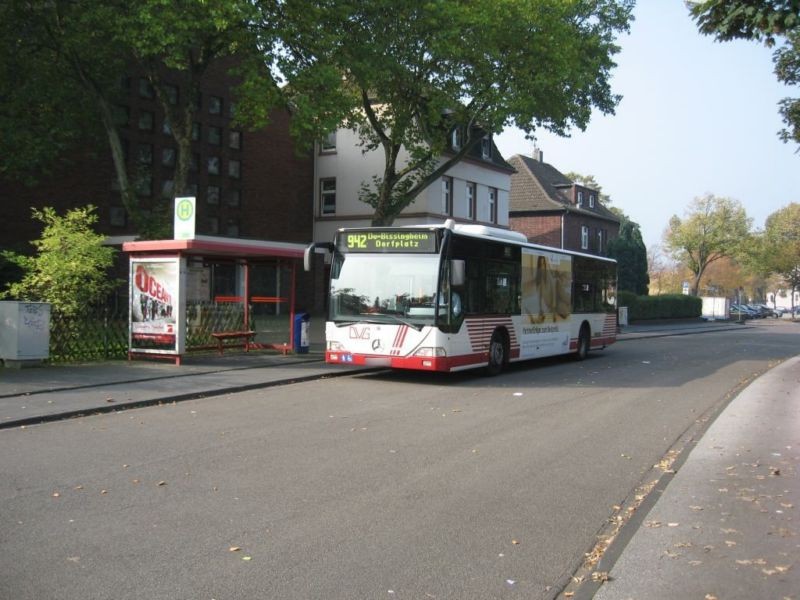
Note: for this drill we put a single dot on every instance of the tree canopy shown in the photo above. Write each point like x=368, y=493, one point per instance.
x=713, y=228
x=631, y=254
x=63, y=63
x=766, y=21
x=406, y=74
x=779, y=250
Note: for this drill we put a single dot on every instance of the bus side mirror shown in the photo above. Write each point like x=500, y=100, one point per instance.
x=457, y=273
x=308, y=253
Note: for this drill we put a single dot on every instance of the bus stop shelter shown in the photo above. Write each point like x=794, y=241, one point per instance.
x=209, y=293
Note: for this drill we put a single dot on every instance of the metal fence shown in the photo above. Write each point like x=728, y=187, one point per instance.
x=102, y=333
x=97, y=334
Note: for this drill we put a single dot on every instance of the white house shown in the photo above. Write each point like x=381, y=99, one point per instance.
x=476, y=190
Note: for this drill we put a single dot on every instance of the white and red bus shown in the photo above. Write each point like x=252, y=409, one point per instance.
x=453, y=297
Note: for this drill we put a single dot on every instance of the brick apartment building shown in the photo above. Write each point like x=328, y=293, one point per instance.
x=552, y=210
x=248, y=184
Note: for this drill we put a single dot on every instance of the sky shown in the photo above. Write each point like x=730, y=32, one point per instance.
x=696, y=117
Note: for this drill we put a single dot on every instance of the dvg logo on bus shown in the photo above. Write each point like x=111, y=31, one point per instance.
x=357, y=333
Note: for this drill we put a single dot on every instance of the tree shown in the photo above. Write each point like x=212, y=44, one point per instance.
x=631, y=255
x=62, y=62
x=400, y=74
x=766, y=21
x=60, y=72
x=666, y=276
x=176, y=44
x=780, y=245
x=70, y=264
x=712, y=229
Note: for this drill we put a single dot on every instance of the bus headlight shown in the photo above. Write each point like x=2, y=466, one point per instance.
x=436, y=351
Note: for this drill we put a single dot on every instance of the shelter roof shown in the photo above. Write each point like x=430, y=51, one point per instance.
x=206, y=245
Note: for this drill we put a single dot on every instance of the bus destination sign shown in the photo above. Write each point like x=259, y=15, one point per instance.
x=414, y=241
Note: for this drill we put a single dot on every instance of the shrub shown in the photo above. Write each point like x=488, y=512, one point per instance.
x=666, y=306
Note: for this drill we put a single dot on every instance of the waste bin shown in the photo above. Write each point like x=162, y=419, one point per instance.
x=300, y=343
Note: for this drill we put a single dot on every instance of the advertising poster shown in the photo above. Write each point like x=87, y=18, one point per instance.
x=154, y=309
x=546, y=302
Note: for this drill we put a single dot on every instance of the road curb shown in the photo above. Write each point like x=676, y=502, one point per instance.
x=123, y=406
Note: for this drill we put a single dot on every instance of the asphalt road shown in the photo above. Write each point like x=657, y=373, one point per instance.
x=375, y=486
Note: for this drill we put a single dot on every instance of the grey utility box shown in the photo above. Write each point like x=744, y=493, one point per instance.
x=24, y=331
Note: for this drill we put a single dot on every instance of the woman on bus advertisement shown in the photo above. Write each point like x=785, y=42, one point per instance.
x=546, y=286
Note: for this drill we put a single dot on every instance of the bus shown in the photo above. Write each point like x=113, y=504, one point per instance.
x=452, y=297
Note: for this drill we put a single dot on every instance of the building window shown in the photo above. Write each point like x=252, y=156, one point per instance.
x=600, y=239
x=235, y=140
x=584, y=237
x=327, y=197
x=144, y=154
x=213, y=165
x=146, y=120
x=447, y=195
x=580, y=199
x=456, y=138
x=328, y=143
x=213, y=225
x=143, y=185
x=591, y=200
x=232, y=229
x=212, y=194
x=214, y=136
x=194, y=162
x=234, y=198
x=116, y=216
x=171, y=92
x=145, y=89
x=168, y=157
x=214, y=105
x=195, y=132
x=486, y=147
x=234, y=169
x=492, y=205
x=168, y=188
x=471, y=195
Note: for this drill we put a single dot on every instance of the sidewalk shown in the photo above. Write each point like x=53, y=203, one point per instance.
x=727, y=525
x=39, y=394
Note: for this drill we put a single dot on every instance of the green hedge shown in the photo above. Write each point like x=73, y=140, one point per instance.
x=666, y=306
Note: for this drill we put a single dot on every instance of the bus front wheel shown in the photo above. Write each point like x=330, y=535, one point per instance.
x=498, y=354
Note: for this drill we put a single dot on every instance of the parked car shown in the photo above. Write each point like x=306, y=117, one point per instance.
x=740, y=312
x=771, y=312
x=758, y=311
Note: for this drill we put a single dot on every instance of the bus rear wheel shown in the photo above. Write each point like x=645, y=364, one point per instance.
x=498, y=354
x=584, y=339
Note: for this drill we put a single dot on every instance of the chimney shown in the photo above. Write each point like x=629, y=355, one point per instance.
x=538, y=155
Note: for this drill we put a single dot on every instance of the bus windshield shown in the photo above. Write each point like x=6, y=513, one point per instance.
x=368, y=287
